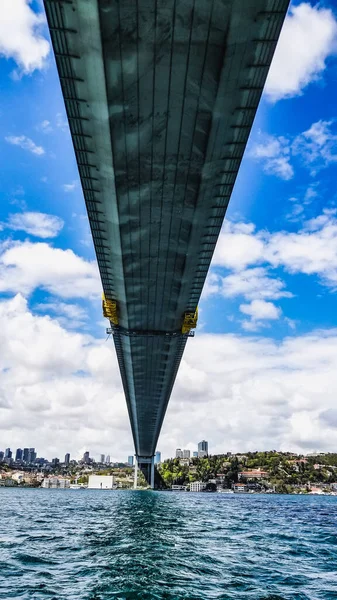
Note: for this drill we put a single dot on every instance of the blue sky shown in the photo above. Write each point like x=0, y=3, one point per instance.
x=266, y=341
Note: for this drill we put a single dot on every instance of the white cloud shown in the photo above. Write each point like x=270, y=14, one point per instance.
x=307, y=39
x=255, y=283
x=71, y=316
x=35, y=223
x=20, y=36
x=237, y=246
x=275, y=154
x=299, y=206
x=255, y=393
x=248, y=393
x=317, y=146
x=25, y=266
x=62, y=122
x=45, y=127
x=72, y=311
x=311, y=250
x=316, y=149
x=260, y=309
x=25, y=143
x=53, y=379
x=70, y=187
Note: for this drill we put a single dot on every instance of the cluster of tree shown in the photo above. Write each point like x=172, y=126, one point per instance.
x=286, y=471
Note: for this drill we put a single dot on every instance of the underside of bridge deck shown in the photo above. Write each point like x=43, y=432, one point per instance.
x=160, y=96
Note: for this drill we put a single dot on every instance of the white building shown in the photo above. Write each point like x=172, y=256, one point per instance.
x=179, y=453
x=55, y=483
x=197, y=486
x=186, y=454
x=101, y=482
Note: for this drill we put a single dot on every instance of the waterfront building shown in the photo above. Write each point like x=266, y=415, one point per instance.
x=55, y=483
x=102, y=459
x=202, y=448
x=26, y=455
x=179, y=453
x=157, y=458
x=240, y=487
x=186, y=454
x=130, y=461
x=8, y=453
x=18, y=454
x=197, y=486
x=101, y=482
x=178, y=488
x=67, y=459
x=253, y=474
x=86, y=458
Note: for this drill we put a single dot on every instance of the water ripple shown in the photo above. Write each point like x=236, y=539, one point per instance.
x=76, y=545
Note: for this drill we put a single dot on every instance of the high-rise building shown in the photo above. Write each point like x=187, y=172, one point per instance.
x=8, y=453
x=67, y=459
x=179, y=453
x=1, y=456
x=26, y=455
x=18, y=454
x=203, y=448
x=130, y=460
x=157, y=458
x=102, y=459
x=32, y=455
x=86, y=458
x=55, y=462
x=107, y=460
x=195, y=454
x=186, y=454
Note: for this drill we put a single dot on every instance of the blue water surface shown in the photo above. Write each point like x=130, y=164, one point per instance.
x=100, y=545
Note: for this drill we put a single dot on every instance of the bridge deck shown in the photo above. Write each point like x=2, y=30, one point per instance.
x=161, y=96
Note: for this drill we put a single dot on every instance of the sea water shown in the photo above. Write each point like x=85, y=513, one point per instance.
x=100, y=545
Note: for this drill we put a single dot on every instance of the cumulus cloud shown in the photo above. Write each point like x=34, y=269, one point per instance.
x=25, y=266
x=72, y=316
x=35, y=223
x=70, y=187
x=251, y=257
x=260, y=309
x=45, y=126
x=248, y=393
x=315, y=148
x=255, y=393
x=25, y=143
x=253, y=283
x=307, y=39
x=275, y=154
x=238, y=246
x=21, y=38
x=260, y=312
x=53, y=379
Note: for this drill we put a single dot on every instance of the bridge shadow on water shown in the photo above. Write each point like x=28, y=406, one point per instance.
x=131, y=549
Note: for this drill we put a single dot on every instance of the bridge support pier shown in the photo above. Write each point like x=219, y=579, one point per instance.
x=136, y=473
x=146, y=465
x=152, y=473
